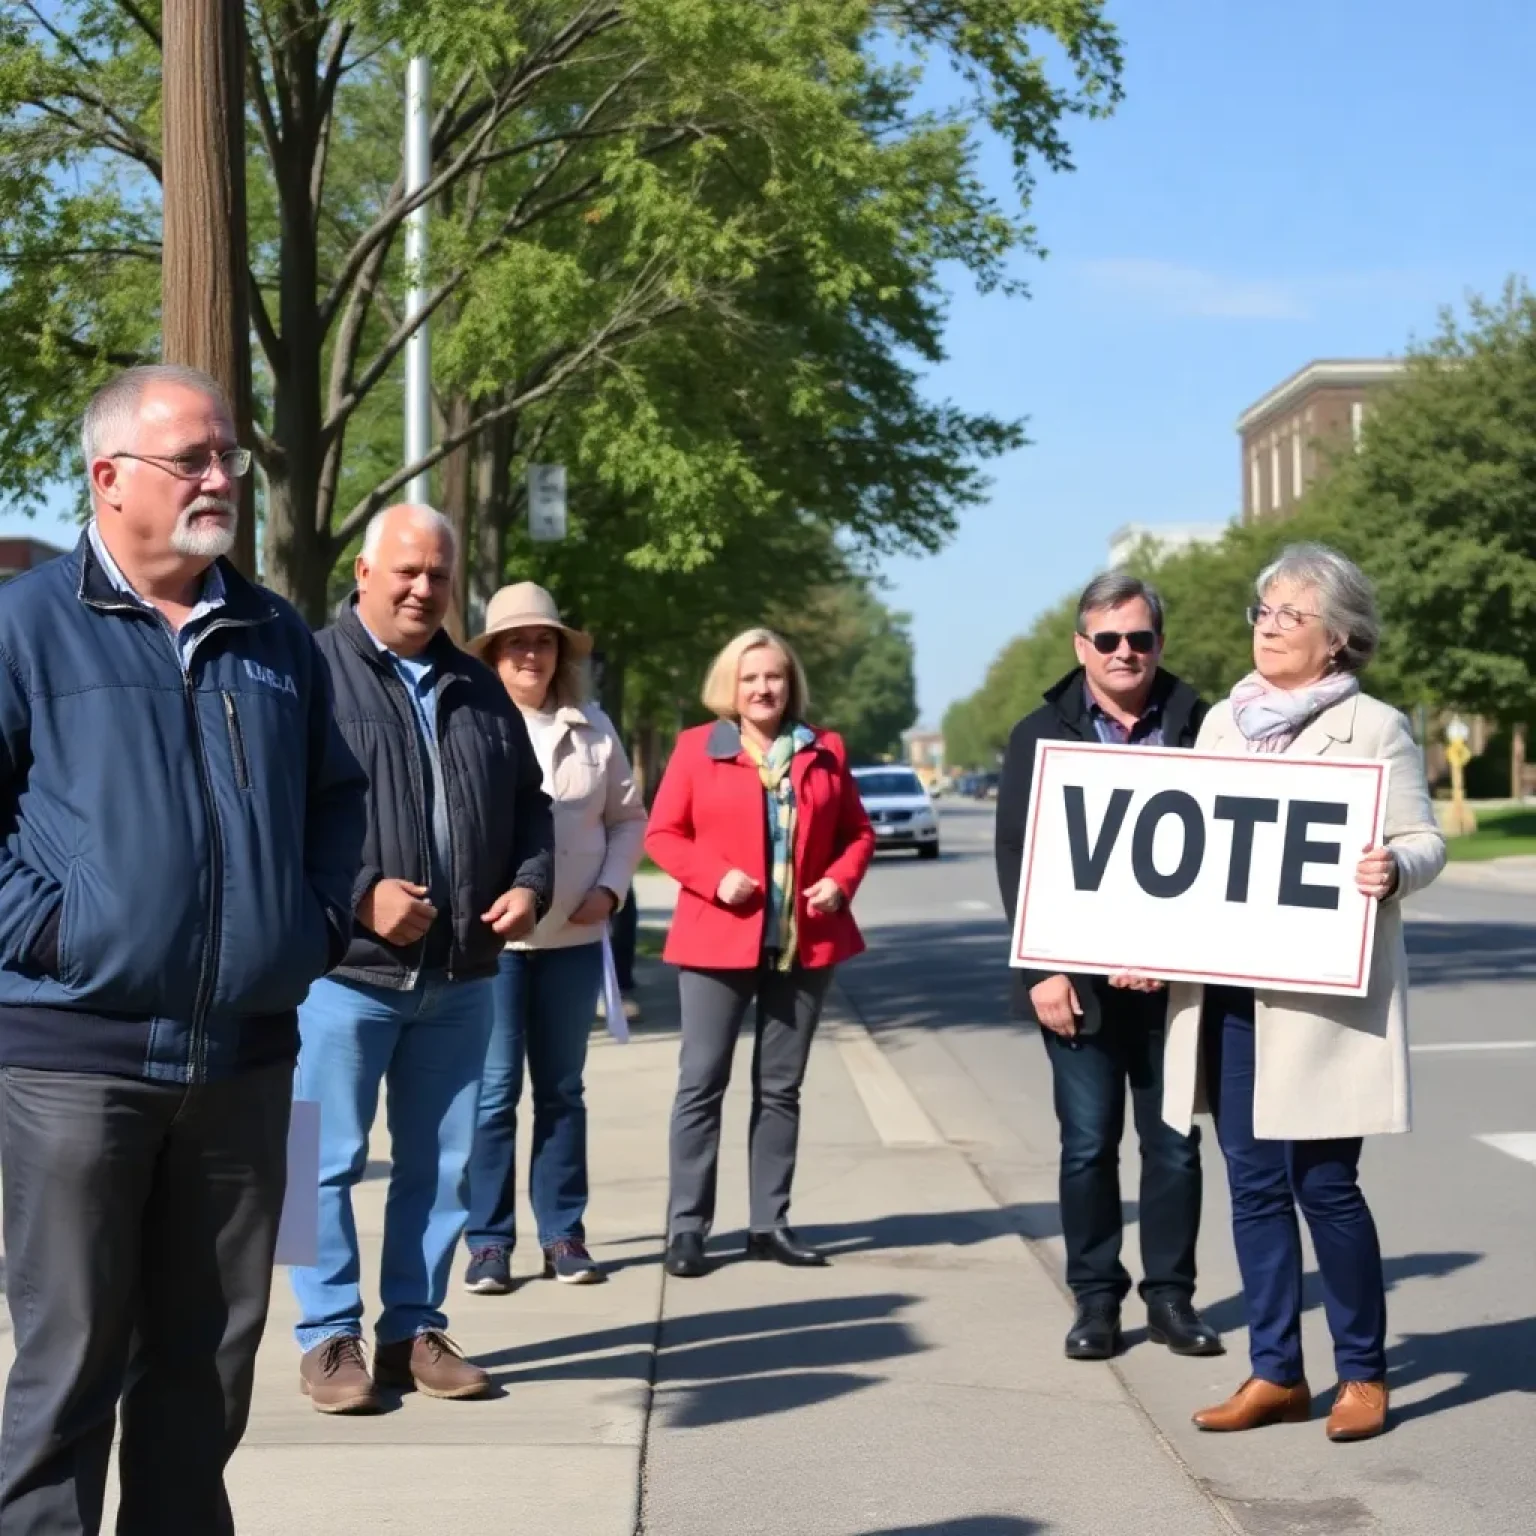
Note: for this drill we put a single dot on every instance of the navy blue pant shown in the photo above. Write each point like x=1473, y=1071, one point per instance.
x=1269, y=1180
x=545, y=1002
x=1091, y=1075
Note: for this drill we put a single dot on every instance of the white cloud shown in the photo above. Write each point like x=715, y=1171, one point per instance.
x=1182, y=290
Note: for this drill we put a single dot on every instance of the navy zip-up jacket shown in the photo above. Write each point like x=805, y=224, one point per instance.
x=178, y=846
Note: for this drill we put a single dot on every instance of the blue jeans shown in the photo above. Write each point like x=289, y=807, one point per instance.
x=1091, y=1075
x=546, y=1000
x=427, y=1046
x=1269, y=1180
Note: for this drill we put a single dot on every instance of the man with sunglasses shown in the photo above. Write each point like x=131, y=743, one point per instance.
x=181, y=828
x=1101, y=1039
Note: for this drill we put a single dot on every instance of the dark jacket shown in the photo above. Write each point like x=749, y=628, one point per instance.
x=178, y=849
x=1064, y=716
x=502, y=832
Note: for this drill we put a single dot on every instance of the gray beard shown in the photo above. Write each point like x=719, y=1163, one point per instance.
x=209, y=541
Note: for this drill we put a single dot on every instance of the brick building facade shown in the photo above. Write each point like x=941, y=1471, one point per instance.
x=1290, y=436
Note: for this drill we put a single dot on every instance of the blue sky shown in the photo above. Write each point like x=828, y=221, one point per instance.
x=1314, y=179
x=1281, y=183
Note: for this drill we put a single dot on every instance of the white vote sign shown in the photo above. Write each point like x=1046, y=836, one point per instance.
x=1188, y=866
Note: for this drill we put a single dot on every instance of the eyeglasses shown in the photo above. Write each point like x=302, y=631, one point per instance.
x=1285, y=619
x=235, y=462
x=1107, y=641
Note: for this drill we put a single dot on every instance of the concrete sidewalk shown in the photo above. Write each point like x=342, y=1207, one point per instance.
x=916, y=1386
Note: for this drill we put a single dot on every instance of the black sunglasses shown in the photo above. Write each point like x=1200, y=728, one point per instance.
x=1107, y=641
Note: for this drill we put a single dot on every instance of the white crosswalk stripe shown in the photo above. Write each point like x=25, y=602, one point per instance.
x=1521, y=1144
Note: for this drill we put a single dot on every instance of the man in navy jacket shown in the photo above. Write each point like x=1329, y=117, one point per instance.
x=180, y=830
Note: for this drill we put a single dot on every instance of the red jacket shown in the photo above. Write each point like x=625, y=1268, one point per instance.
x=710, y=817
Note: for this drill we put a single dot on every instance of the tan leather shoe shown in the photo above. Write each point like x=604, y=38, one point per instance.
x=1257, y=1403
x=1359, y=1411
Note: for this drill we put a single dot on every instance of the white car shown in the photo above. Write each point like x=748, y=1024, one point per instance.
x=899, y=810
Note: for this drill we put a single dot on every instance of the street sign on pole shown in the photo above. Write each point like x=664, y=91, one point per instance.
x=546, y=503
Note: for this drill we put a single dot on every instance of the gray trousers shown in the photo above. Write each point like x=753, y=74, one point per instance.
x=714, y=1003
x=140, y=1222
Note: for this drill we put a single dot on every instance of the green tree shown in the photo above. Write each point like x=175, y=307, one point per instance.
x=1443, y=487
x=859, y=656
x=607, y=173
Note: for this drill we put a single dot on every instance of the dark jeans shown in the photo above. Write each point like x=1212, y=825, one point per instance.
x=1269, y=1180
x=1091, y=1074
x=623, y=933
x=140, y=1223
x=714, y=1003
x=545, y=1001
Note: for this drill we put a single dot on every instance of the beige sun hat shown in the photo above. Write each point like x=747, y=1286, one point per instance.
x=526, y=605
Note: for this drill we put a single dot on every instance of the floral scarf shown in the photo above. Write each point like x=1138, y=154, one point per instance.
x=1272, y=718
x=779, y=793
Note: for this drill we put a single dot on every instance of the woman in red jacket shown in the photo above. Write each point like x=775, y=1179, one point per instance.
x=759, y=820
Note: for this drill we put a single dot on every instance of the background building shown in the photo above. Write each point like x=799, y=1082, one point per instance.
x=1290, y=436
x=18, y=555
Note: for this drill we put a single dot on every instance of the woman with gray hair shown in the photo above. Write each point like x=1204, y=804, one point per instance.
x=1294, y=1082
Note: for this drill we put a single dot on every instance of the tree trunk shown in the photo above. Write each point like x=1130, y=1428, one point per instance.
x=1517, y=763
x=205, y=316
x=643, y=757
x=493, y=509
x=457, y=483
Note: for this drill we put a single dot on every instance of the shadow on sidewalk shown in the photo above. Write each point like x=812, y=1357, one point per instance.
x=967, y=1525
x=742, y=1363
x=1231, y=1312
x=1490, y=1358
x=939, y=1229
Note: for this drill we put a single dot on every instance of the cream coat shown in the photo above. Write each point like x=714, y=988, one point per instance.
x=599, y=823
x=1327, y=1066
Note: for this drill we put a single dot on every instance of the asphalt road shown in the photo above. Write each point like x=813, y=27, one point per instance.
x=1455, y=1201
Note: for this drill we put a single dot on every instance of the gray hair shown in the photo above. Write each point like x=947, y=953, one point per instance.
x=1346, y=601
x=425, y=517
x=114, y=409
x=1111, y=590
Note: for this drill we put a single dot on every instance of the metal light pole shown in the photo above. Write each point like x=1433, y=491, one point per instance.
x=418, y=349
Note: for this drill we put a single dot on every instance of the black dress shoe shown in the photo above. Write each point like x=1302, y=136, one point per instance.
x=1173, y=1321
x=783, y=1247
x=685, y=1256
x=1095, y=1334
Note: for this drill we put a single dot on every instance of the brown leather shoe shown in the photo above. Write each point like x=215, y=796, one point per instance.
x=1256, y=1403
x=1359, y=1411
x=334, y=1377
x=431, y=1363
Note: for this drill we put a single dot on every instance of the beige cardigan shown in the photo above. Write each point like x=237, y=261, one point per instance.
x=599, y=823
x=1326, y=1066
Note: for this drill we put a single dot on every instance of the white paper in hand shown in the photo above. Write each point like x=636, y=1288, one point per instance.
x=298, y=1232
x=613, y=999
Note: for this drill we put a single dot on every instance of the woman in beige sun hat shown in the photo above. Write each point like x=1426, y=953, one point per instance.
x=547, y=987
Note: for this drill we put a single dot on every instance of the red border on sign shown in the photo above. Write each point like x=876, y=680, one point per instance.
x=1048, y=747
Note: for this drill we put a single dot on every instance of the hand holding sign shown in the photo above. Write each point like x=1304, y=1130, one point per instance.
x=1376, y=873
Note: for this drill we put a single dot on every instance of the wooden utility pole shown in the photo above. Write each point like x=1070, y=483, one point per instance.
x=205, y=310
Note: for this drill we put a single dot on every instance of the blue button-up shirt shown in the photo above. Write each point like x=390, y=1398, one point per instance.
x=419, y=675
x=1147, y=731
x=210, y=601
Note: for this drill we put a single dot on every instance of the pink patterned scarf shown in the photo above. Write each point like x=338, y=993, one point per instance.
x=1272, y=718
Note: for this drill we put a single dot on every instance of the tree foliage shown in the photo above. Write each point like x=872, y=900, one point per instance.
x=696, y=245
x=1443, y=491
